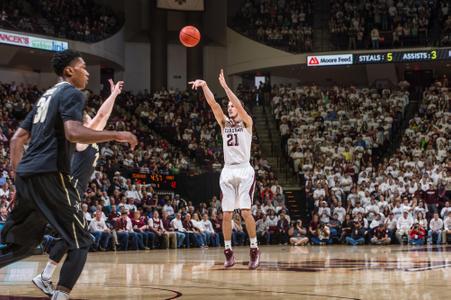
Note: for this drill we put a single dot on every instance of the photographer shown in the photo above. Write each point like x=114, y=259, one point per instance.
x=417, y=234
x=322, y=235
x=298, y=234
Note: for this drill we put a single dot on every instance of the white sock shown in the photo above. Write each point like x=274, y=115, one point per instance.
x=228, y=245
x=253, y=242
x=48, y=271
x=59, y=295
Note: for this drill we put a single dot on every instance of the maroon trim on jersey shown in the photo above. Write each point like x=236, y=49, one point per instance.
x=221, y=196
x=252, y=190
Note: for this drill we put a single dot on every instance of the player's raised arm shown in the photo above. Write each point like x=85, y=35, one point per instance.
x=235, y=101
x=104, y=112
x=215, y=107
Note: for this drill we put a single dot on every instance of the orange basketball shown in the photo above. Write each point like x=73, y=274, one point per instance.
x=189, y=36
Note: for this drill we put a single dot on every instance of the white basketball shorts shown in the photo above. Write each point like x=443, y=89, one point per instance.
x=237, y=184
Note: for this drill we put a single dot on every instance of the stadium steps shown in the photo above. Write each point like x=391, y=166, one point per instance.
x=411, y=111
x=320, y=30
x=293, y=205
x=269, y=140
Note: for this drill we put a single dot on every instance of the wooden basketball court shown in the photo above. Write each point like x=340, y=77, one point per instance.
x=328, y=272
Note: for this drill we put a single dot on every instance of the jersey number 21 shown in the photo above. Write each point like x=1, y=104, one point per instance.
x=232, y=140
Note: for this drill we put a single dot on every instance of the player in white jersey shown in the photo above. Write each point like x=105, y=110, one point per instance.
x=237, y=179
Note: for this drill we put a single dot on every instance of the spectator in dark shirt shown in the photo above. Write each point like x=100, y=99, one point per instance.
x=192, y=232
x=380, y=236
x=170, y=230
x=124, y=231
x=141, y=228
x=431, y=200
x=282, y=233
x=357, y=235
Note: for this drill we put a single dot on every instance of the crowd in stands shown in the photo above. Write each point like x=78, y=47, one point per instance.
x=83, y=20
x=352, y=198
x=332, y=135
x=326, y=129
x=381, y=24
x=285, y=24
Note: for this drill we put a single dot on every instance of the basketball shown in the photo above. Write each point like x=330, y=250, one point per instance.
x=189, y=36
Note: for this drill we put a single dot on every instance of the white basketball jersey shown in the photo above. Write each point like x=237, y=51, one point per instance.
x=236, y=142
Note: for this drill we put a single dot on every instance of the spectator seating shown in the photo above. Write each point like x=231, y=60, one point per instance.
x=285, y=24
x=381, y=24
x=83, y=20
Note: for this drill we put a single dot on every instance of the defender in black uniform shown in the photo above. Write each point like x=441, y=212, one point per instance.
x=44, y=191
x=83, y=165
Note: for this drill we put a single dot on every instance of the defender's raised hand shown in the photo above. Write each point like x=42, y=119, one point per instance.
x=116, y=89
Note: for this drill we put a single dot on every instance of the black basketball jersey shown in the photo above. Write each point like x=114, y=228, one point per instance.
x=49, y=150
x=83, y=165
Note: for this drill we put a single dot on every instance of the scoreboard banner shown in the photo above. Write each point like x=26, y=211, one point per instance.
x=160, y=181
x=380, y=57
x=23, y=40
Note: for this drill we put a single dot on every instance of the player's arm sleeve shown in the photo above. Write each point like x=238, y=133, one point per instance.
x=71, y=106
x=27, y=123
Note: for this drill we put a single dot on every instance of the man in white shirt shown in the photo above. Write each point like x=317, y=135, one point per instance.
x=397, y=210
x=340, y=211
x=403, y=226
x=4, y=188
x=211, y=234
x=324, y=213
x=377, y=220
x=262, y=226
x=275, y=186
x=180, y=231
x=435, y=230
x=86, y=214
x=319, y=192
x=358, y=209
x=100, y=231
x=372, y=209
x=168, y=208
x=133, y=193
x=391, y=223
x=445, y=210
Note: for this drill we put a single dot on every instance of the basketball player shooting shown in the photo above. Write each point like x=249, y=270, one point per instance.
x=237, y=180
